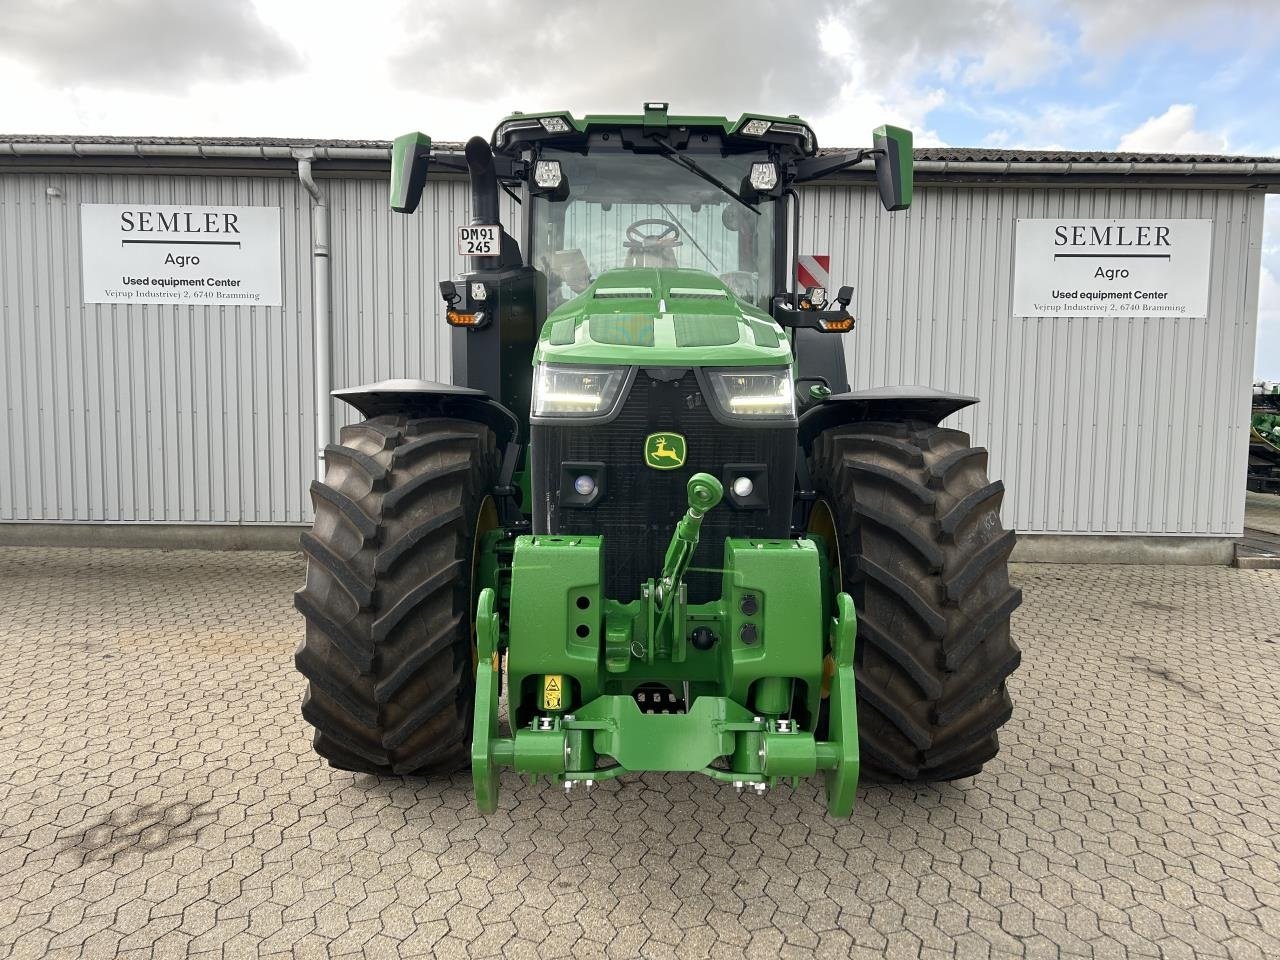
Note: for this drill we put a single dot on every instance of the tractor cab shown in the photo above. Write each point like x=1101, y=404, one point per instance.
x=604, y=193
x=610, y=201
x=664, y=191
x=624, y=210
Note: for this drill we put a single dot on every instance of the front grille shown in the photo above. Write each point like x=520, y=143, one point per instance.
x=641, y=505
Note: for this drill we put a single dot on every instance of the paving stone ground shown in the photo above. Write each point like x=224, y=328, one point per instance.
x=158, y=797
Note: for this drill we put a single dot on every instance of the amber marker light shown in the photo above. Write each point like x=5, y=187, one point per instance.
x=837, y=326
x=457, y=319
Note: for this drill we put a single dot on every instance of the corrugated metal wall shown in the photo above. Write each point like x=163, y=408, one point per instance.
x=199, y=414
x=204, y=414
x=148, y=411
x=1100, y=425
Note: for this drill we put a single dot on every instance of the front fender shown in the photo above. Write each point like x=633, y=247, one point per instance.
x=427, y=398
x=880, y=403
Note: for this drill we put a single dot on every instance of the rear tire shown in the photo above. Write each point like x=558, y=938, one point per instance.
x=923, y=553
x=388, y=651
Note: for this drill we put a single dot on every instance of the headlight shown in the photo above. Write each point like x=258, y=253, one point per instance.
x=755, y=393
x=764, y=176
x=564, y=391
x=547, y=174
x=555, y=124
x=514, y=126
x=755, y=128
x=799, y=129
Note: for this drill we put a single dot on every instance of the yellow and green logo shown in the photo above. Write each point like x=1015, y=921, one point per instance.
x=664, y=451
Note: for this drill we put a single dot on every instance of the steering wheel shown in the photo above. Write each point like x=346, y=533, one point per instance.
x=637, y=239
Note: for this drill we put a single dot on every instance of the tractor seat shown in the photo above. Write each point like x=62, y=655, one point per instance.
x=649, y=253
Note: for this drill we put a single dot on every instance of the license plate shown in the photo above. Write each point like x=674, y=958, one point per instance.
x=482, y=240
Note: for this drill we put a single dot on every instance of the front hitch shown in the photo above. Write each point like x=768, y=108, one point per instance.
x=744, y=673
x=704, y=492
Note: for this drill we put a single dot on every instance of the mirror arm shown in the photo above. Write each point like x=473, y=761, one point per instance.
x=814, y=168
x=513, y=171
x=449, y=161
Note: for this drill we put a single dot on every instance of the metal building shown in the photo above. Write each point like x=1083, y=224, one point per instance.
x=131, y=421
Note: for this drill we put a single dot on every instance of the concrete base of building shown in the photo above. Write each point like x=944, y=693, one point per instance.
x=1031, y=548
x=1059, y=548
x=153, y=536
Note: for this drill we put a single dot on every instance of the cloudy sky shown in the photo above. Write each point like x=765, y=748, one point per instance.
x=1160, y=75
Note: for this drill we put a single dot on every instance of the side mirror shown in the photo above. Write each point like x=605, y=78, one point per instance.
x=410, y=155
x=893, y=166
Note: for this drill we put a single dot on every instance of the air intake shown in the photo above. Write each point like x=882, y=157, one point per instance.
x=696, y=293
x=623, y=293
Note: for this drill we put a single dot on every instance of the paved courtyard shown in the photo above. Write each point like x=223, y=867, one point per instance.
x=158, y=797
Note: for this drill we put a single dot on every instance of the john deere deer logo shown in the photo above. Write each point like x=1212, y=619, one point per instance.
x=664, y=451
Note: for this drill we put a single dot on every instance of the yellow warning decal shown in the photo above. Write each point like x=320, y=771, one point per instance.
x=552, y=691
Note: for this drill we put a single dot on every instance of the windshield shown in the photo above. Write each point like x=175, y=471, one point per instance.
x=629, y=210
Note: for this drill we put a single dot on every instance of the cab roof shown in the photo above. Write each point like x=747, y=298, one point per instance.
x=519, y=130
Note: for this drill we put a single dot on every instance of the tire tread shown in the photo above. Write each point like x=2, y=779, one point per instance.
x=387, y=653
x=926, y=561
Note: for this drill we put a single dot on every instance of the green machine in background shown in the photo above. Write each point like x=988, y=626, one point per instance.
x=1264, y=438
x=651, y=510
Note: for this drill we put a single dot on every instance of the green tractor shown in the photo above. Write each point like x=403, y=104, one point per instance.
x=1264, y=438
x=651, y=512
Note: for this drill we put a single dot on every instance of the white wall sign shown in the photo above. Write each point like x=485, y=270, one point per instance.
x=144, y=253
x=1111, y=268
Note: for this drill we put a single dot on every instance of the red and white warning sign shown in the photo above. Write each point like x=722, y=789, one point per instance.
x=815, y=270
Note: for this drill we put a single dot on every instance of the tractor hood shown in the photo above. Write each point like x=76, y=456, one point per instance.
x=661, y=317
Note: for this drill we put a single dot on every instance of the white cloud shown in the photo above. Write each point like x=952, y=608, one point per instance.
x=1108, y=27
x=996, y=44
x=846, y=65
x=848, y=122
x=610, y=57
x=401, y=65
x=863, y=103
x=141, y=44
x=261, y=69
x=1025, y=53
x=1174, y=131
x=1050, y=126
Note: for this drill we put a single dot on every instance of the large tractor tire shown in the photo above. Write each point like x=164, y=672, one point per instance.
x=388, y=601
x=922, y=552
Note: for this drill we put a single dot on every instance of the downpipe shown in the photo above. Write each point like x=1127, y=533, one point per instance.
x=321, y=311
x=484, y=192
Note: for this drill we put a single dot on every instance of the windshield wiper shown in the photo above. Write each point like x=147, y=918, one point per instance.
x=692, y=239
x=676, y=157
